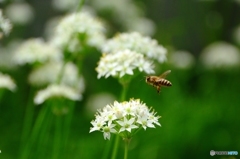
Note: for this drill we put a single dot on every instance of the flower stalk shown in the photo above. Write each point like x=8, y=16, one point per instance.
x=115, y=148
x=127, y=142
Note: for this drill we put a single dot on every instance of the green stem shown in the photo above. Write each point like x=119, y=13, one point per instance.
x=116, y=143
x=45, y=136
x=1, y=94
x=115, y=148
x=57, y=138
x=61, y=73
x=126, y=149
x=124, y=92
x=107, y=149
x=28, y=119
x=66, y=126
x=81, y=3
x=35, y=132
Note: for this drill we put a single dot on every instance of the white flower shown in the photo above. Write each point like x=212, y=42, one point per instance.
x=97, y=124
x=36, y=50
x=50, y=27
x=153, y=118
x=5, y=25
x=126, y=14
x=6, y=55
x=121, y=63
x=127, y=124
x=57, y=91
x=20, y=13
x=182, y=59
x=78, y=29
x=119, y=118
x=7, y=82
x=142, y=25
x=138, y=43
x=65, y=5
x=98, y=101
x=107, y=130
x=145, y=122
x=50, y=73
x=220, y=55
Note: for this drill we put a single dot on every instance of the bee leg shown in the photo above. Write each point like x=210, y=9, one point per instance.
x=158, y=89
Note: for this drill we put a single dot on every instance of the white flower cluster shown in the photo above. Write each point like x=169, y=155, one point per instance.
x=71, y=85
x=220, y=55
x=7, y=82
x=138, y=43
x=50, y=72
x=5, y=25
x=77, y=29
x=135, y=21
x=65, y=5
x=57, y=91
x=124, y=119
x=121, y=63
x=6, y=61
x=36, y=50
x=20, y=13
x=182, y=59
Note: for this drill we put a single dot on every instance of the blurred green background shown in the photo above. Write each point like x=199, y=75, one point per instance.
x=200, y=112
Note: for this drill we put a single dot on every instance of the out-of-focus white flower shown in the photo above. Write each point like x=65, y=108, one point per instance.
x=36, y=50
x=124, y=119
x=20, y=13
x=66, y=5
x=57, y=91
x=182, y=59
x=6, y=59
x=50, y=73
x=236, y=34
x=220, y=55
x=138, y=43
x=5, y=25
x=142, y=25
x=98, y=101
x=7, y=53
x=50, y=27
x=7, y=82
x=238, y=1
x=78, y=29
x=121, y=63
x=126, y=14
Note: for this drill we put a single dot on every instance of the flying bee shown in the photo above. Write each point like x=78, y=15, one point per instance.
x=158, y=81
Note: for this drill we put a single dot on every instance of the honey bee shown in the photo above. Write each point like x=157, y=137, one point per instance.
x=158, y=81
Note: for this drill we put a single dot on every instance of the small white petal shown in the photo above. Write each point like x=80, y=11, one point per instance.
x=7, y=82
x=57, y=91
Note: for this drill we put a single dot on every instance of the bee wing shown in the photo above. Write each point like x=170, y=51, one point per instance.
x=165, y=74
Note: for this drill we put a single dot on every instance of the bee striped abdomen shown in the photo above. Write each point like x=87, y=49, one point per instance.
x=164, y=82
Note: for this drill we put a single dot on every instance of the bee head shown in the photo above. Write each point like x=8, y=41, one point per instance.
x=147, y=78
